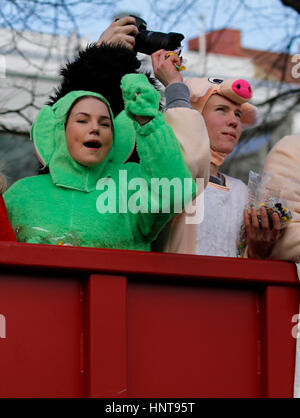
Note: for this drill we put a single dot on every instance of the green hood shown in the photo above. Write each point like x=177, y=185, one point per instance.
x=48, y=135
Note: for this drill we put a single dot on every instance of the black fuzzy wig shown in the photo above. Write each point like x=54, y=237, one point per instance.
x=100, y=70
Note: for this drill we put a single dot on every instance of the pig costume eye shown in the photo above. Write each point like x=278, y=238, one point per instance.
x=215, y=80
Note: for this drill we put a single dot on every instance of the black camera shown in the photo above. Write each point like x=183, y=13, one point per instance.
x=148, y=42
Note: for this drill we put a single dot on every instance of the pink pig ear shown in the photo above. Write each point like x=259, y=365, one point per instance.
x=249, y=115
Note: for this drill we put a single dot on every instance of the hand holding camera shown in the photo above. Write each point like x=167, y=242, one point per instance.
x=132, y=32
x=121, y=31
x=148, y=42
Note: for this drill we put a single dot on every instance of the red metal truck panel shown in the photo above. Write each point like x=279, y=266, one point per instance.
x=80, y=322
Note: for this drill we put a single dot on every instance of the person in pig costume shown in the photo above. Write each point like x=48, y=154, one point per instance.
x=211, y=224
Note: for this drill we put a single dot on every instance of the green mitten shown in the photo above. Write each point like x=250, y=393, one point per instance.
x=140, y=97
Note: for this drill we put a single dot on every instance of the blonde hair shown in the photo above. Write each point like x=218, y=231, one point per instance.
x=2, y=183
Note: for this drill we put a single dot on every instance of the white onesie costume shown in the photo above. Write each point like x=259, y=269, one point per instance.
x=218, y=233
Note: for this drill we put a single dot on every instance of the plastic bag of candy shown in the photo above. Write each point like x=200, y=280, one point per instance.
x=265, y=190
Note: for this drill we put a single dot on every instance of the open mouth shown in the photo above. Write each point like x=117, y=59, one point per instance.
x=93, y=144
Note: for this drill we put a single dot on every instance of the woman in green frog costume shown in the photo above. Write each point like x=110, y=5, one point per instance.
x=88, y=198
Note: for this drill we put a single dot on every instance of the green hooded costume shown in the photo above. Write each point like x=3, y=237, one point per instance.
x=112, y=204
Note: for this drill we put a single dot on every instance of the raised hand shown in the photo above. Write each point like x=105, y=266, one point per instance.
x=140, y=97
x=164, y=66
x=122, y=31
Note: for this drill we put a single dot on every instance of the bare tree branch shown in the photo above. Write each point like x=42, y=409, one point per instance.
x=38, y=36
x=294, y=4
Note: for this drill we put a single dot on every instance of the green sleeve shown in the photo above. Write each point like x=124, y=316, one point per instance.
x=170, y=186
x=170, y=183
